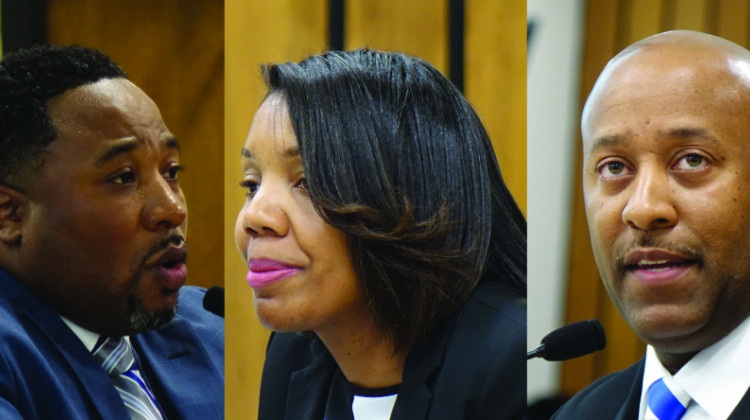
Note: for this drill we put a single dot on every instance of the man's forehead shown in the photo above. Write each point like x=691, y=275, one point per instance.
x=104, y=106
x=652, y=74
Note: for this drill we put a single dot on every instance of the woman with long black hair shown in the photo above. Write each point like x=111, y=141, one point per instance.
x=378, y=224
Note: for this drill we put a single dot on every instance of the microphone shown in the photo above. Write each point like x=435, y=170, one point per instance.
x=571, y=341
x=213, y=301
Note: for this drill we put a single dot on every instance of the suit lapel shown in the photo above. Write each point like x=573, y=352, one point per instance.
x=175, y=371
x=631, y=405
x=93, y=382
x=742, y=411
x=308, y=387
x=415, y=395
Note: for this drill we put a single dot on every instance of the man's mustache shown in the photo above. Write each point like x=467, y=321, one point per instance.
x=173, y=238
x=649, y=241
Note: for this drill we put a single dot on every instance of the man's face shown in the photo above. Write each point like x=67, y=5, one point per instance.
x=103, y=242
x=667, y=194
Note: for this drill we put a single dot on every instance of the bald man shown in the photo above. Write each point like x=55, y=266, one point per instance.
x=666, y=180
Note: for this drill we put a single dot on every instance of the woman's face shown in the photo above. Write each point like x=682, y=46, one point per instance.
x=299, y=266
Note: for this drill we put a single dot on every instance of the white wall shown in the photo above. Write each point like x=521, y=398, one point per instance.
x=552, y=105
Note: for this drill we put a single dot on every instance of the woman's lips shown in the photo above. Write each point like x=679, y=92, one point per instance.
x=265, y=271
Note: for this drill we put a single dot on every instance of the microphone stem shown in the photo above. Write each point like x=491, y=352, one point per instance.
x=537, y=352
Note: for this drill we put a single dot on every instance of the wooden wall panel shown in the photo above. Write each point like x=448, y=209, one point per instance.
x=612, y=25
x=257, y=32
x=638, y=19
x=691, y=14
x=174, y=51
x=496, y=82
x=418, y=27
x=732, y=20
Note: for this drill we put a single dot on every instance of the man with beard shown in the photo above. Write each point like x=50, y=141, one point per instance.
x=92, y=251
x=666, y=161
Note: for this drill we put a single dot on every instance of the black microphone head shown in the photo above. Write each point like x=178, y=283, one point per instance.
x=574, y=340
x=213, y=301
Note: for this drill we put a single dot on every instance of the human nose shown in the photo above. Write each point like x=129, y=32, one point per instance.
x=263, y=213
x=650, y=206
x=165, y=206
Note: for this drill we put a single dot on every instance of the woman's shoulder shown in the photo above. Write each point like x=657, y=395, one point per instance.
x=482, y=371
x=494, y=310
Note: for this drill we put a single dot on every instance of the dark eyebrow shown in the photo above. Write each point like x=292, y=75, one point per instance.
x=172, y=143
x=606, y=141
x=682, y=133
x=289, y=152
x=126, y=145
x=690, y=132
x=121, y=146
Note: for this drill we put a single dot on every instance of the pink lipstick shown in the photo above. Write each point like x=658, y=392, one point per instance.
x=264, y=272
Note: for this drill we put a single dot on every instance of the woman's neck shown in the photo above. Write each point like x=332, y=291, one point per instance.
x=365, y=355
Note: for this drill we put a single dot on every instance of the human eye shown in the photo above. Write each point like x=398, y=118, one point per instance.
x=250, y=185
x=172, y=172
x=124, y=177
x=613, y=169
x=691, y=162
x=301, y=184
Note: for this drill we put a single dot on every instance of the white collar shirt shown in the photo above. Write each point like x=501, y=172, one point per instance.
x=716, y=378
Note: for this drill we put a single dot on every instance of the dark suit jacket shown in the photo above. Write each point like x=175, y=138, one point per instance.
x=472, y=367
x=618, y=396
x=47, y=373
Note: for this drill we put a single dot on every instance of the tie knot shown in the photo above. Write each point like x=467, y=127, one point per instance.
x=667, y=400
x=115, y=355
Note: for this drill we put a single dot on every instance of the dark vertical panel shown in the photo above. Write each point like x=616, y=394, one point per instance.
x=669, y=10
x=336, y=24
x=24, y=23
x=456, y=22
x=712, y=18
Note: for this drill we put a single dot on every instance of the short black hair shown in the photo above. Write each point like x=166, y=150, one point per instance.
x=28, y=79
x=398, y=160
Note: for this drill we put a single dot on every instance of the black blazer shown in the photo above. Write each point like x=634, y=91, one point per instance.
x=618, y=396
x=472, y=367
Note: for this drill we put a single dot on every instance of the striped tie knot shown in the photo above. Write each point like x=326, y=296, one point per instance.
x=666, y=401
x=116, y=357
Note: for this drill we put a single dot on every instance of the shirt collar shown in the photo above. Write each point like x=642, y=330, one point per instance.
x=89, y=338
x=716, y=378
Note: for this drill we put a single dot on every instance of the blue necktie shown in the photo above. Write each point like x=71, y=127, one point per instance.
x=116, y=357
x=663, y=403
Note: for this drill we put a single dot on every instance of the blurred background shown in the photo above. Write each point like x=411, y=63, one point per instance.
x=570, y=43
x=479, y=45
x=174, y=51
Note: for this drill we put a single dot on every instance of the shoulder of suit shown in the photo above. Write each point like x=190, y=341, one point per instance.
x=609, y=391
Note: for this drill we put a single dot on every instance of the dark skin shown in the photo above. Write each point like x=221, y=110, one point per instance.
x=97, y=231
x=665, y=150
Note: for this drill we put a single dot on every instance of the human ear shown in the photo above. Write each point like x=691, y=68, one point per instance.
x=12, y=203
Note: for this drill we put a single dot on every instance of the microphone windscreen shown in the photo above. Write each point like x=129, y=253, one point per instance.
x=574, y=340
x=213, y=301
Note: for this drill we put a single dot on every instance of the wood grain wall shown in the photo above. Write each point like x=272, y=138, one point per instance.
x=174, y=51
x=611, y=25
x=289, y=30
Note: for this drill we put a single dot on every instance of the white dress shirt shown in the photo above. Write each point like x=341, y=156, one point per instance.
x=89, y=338
x=716, y=378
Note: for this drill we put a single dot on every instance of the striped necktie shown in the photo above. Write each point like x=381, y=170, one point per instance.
x=116, y=357
x=666, y=401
